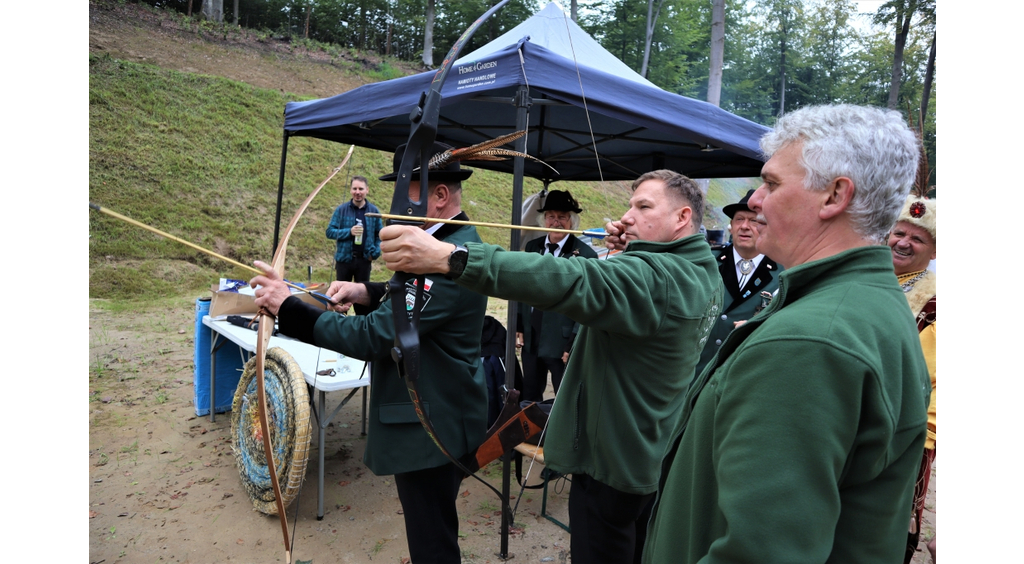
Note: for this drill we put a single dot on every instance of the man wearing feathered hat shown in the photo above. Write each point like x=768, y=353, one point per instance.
x=452, y=378
x=912, y=241
x=545, y=337
x=749, y=277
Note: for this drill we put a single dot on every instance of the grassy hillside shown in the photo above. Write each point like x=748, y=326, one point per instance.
x=197, y=156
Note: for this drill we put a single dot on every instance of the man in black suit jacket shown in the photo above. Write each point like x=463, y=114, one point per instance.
x=545, y=337
x=750, y=278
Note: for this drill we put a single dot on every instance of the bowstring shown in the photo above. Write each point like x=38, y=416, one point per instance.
x=529, y=469
x=586, y=111
x=583, y=94
x=309, y=424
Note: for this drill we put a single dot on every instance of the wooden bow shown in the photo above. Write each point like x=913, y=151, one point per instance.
x=266, y=329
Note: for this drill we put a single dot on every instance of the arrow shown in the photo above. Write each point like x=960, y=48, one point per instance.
x=594, y=234
x=112, y=213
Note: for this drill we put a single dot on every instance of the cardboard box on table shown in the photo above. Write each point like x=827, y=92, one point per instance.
x=233, y=303
x=230, y=357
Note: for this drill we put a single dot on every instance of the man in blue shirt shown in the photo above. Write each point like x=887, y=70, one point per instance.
x=357, y=235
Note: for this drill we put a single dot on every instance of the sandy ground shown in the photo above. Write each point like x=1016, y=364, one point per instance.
x=163, y=485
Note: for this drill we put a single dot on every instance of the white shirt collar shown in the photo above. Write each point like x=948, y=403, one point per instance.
x=433, y=228
x=558, y=251
x=740, y=277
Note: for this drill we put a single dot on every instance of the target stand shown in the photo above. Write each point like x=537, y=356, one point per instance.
x=288, y=414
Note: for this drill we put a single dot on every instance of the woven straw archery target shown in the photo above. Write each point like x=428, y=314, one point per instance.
x=288, y=415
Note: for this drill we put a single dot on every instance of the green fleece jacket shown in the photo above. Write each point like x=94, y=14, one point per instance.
x=451, y=382
x=644, y=315
x=802, y=438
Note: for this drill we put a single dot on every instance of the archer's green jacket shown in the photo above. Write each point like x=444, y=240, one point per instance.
x=806, y=431
x=451, y=383
x=557, y=332
x=644, y=316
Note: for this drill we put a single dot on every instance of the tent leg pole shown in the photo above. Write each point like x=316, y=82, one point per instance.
x=280, y=193
x=522, y=102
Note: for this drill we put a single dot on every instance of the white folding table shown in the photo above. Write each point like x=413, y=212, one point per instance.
x=349, y=374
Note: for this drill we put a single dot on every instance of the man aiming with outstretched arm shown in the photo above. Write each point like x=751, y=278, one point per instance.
x=644, y=318
x=451, y=383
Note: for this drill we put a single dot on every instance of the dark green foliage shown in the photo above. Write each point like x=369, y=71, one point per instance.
x=810, y=46
x=365, y=24
x=452, y=18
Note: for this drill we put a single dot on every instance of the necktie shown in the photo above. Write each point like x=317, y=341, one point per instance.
x=552, y=248
x=746, y=267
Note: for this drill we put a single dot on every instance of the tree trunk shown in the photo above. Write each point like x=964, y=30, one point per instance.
x=309, y=12
x=387, y=46
x=782, y=95
x=235, y=11
x=213, y=10
x=190, y=8
x=717, y=52
x=928, y=74
x=362, y=26
x=652, y=19
x=782, y=74
x=428, y=37
x=573, y=11
x=902, y=30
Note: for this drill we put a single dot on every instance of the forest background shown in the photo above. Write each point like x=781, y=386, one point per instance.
x=777, y=55
x=193, y=152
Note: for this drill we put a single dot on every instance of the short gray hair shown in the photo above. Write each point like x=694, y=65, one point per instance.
x=874, y=147
x=682, y=187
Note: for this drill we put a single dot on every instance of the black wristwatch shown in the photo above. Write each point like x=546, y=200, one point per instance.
x=457, y=262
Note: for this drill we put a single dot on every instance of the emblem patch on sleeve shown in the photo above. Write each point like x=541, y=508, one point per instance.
x=410, y=295
x=707, y=321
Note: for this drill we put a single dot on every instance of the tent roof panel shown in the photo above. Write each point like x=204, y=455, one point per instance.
x=636, y=126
